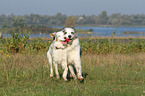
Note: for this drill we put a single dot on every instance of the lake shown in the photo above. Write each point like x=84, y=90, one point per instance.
x=102, y=32
x=119, y=31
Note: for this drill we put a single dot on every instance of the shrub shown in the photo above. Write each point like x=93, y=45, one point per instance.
x=15, y=44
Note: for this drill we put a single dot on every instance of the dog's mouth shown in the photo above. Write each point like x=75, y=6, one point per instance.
x=66, y=41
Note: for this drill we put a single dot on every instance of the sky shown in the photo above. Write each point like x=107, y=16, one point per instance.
x=71, y=7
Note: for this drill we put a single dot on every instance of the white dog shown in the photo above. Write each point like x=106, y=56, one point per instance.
x=65, y=50
x=73, y=51
x=57, y=55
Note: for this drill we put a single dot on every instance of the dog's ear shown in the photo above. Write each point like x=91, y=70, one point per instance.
x=74, y=29
x=63, y=29
x=53, y=35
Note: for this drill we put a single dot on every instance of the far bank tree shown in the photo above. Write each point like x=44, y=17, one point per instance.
x=19, y=21
x=70, y=22
x=103, y=18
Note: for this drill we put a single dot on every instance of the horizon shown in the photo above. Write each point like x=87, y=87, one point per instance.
x=68, y=15
x=69, y=8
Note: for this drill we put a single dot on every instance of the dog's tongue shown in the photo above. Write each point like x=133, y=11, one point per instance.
x=66, y=41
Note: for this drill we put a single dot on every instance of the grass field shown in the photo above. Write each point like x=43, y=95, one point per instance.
x=108, y=75
x=113, y=67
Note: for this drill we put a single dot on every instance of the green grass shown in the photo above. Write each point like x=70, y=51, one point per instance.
x=132, y=32
x=89, y=45
x=108, y=75
x=115, y=67
x=80, y=31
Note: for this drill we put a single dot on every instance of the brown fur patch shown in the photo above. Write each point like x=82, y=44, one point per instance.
x=52, y=34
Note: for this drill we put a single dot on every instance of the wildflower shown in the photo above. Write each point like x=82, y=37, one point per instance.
x=1, y=51
x=24, y=37
x=137, y=63
x=8, y=55
x=22, y=45
x=49, y=41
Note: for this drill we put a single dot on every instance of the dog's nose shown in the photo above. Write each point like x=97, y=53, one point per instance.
x=69, y=36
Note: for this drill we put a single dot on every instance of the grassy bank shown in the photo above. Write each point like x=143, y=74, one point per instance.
x=108, y=75
x=39, y=30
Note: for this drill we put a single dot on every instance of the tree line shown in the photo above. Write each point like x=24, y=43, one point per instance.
x=59, y=19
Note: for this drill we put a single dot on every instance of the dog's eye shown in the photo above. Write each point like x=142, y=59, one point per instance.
x=65, y=32
x=72, y=32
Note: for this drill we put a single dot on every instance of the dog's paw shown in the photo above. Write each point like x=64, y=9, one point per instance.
x=66, y=80
x=74, y=77
x=81, y=78
x=51, y=75
x=58, y=77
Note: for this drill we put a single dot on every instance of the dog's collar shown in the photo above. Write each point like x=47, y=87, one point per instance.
x=58, y=47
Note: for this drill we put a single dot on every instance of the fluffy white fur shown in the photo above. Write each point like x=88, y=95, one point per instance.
x=57, y=55
x=73, y=52
x=68, y=54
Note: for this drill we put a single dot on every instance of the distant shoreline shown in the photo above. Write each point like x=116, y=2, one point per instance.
x=106, y=25
x=98, y=26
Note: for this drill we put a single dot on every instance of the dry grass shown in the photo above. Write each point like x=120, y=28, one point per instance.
x=112, y=74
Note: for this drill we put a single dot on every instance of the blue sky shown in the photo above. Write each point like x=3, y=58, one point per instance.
x=71, y=7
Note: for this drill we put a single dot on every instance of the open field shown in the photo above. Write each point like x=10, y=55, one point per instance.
x=108, y=75
x=113, y=67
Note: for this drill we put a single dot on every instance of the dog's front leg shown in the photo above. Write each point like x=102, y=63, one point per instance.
x=56, y=70
x=64, y=65
x=72, y=72
x=50, y=62
x=79, y=69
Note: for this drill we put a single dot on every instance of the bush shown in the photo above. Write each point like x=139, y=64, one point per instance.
x=15, y=44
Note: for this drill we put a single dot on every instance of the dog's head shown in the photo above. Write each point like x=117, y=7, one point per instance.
x=58, y=36
x=69, y=34
x=59, y=39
